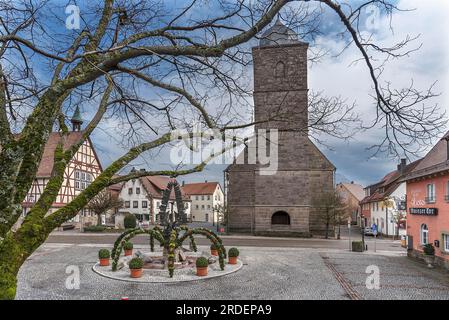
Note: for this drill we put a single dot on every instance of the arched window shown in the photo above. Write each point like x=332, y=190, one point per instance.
x=424, y=234
x=279, y=71
x=280, y=218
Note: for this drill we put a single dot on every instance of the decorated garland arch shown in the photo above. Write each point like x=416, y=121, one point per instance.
x=173, y=234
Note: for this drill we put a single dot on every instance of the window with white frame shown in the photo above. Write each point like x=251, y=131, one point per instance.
x=430, y=193
x=446, y=242
x=82, y=179
x=424, y=234
x=447, y=191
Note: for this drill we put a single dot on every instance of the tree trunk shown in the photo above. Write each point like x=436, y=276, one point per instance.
x=99, y=220
x=12, y=256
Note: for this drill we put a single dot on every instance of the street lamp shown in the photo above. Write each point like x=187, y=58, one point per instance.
x=362, y=222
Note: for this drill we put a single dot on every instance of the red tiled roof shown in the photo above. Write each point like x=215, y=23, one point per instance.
x=47, y=162
x=203, y=188
x=389, y=183
x=155, y=185
x=435, y=161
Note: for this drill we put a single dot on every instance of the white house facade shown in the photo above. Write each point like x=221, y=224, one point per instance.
x=385, y=213
x=207, y=201
x=142, y=197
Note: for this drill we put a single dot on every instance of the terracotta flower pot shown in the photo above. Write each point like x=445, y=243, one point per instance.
x=136, y=273
x=201, y=271
x=128, y=252
x=232, y=260
x=214, y=252
x=104, y=262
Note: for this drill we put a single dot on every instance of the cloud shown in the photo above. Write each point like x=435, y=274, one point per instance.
x=340, y=77
x=337, y=76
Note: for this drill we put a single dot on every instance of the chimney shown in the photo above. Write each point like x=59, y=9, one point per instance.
x=402, y=165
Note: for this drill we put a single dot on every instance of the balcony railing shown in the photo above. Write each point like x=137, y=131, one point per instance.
x=430, y=200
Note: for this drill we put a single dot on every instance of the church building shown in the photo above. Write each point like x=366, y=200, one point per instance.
x=283, y=203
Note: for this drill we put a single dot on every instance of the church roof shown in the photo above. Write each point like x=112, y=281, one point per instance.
x=278, y=34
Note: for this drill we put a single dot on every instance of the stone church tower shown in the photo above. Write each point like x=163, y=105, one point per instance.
x=281, y=203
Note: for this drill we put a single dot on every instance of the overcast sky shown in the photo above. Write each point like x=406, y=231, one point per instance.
x=337, y=76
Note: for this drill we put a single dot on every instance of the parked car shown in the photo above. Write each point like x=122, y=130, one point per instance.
x=368, y=231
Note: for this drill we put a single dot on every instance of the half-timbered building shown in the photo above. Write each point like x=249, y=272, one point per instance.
x=82, y=169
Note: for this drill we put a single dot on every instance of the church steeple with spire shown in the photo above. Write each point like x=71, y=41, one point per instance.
x=76, y=120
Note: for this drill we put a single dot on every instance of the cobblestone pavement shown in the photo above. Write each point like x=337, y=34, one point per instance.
x=268, y=273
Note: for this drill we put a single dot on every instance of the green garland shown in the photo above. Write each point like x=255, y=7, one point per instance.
x=119, y=239
x=220, y=245
x=174, y=243
x=193, y=243
x=212, y=237
x=171, y=252
x=128, y=236
x=151, y=242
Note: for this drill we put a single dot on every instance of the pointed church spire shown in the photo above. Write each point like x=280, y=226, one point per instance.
x=76, y=120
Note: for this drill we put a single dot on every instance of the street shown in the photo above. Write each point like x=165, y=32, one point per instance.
x=236, y=240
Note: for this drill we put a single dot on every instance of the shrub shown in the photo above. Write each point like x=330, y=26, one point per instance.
x=104, y=254
x=130, y=221
x=128, y=245
x=202, y=262
x=95, y=229
x=213, y=246
x=233, y=252
x=136, y=263
x=429, y=250
x=357, y=246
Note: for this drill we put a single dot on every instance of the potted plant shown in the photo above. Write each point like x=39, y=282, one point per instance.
x=429, y=254
x=213, y=250
x=232, y=255
x=201, y=266
x=128, y=246
x=104, y=256
x=135, y=266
